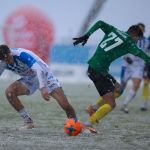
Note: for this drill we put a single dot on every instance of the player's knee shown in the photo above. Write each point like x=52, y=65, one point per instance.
x=9, y=94
x=119, y=92
x=111, y=102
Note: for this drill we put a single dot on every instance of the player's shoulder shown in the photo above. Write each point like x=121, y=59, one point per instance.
x=123, y=35
x=144, y=39
x=17, y=51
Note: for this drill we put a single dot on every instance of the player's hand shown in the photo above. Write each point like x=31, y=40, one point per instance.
x=45, y=93
x=82, y=39
x=129, y=60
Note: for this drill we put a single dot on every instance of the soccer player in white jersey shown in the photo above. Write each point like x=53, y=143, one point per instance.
x=134, y=71
x=146, y=82
x=35, y=74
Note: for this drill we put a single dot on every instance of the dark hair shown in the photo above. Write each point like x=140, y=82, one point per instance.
x=4, y=51
x=141, y=24
x=135, y=29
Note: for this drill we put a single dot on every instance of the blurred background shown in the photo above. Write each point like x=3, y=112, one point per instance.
x=48, y=26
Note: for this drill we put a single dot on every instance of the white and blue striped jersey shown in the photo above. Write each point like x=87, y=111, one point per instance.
x=26, y=63
x=143, y=44
x=137, y=62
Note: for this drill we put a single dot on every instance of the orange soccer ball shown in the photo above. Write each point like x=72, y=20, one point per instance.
x=72, y=127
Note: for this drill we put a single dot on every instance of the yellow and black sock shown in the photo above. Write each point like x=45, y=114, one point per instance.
x=100, y=113
x=100, y=102
x=145, y=90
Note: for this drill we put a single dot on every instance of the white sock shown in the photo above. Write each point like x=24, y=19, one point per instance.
x=25, y=116
x=129, y=97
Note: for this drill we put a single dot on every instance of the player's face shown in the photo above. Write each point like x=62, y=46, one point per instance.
x=135, y=38
x=9, y=59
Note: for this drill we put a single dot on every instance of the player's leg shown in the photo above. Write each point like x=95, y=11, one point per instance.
x=145, y=88
x=103, y=110
x=55, y=90
x=125, y=75
x=131, y=94
x=12, y=92
x=105, y=87
x=145, y=94
x=62, y=100
x=136, y=77
x=117, y=93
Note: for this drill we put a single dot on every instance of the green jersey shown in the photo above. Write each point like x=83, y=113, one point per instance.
x=114, y=44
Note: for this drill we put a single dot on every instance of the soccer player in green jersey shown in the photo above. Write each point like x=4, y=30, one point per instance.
x=114, y=44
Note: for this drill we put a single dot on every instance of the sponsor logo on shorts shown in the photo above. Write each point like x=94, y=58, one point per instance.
x=52, y=86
